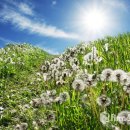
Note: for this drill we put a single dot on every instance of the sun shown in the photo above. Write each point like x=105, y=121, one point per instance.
x=94, y=20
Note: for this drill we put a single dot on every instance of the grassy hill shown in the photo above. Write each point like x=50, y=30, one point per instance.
x=74, y=91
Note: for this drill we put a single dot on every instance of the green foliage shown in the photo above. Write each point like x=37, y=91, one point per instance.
x=19, y=84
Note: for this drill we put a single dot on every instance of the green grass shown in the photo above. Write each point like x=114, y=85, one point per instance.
x=19, y=84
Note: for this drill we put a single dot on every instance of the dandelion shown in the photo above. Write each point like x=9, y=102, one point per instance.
x=1, y=110
x=44, y=68
x=126, y=88
x=22, y=126
x=124, y=117
x=115, y=127
x=58, y=100
x=56, y=60
x=106, y=47
x=106, y=74
x=104, y=118
x=75, y=67
x=64, y=96
x=36, y=102
x=91, y=81
x=50, y=117
x=78, y=85
x=60, y=82
x=40, y=122
x=103, y=100
x=84, y=98
x=119, y=75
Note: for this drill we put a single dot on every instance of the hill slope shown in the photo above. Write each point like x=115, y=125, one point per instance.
x=75, y=91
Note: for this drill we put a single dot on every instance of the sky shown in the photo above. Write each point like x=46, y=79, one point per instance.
x=55, y=25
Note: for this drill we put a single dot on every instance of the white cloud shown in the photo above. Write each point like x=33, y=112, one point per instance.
x=49, y=50
x=32, y=26
x=25, y=9
x=5, y=40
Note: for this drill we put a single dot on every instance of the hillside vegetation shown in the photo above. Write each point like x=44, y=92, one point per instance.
x=82, y=89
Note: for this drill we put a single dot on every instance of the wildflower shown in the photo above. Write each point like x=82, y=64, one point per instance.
x=106, y=74
x=26, y=106
x=46, y=76
x=84, y=98
x=55, y=60
x=103, y=100
x=40, y=122
x=78, y=85
x=126, y=88
x=83, y=75
x=50, y=117
x=115, y=127
x=106, y=47
x=64, y=96
x=75, y=67
x=1, y=110
x=44, y=68
x=60, y=82
x=104, y=118
x=17, y=127
x=74, y=61
x=119, y=75
x=58, y=100
x=91, y=81
x=47, y=63
x=22, y=126
x=38, y=74
x=36, y=102
x=124, y=117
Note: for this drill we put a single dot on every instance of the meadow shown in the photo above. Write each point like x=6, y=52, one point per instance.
x=81, y=89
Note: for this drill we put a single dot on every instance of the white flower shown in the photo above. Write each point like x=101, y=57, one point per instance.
x=115, y=127
x=104, y=118
x=1, y=110
x=103, y=100
x=106, y=47
x=22, y=126
x=91, y=81
x=84, y=98
x=124, y=117
x=64, y=96
x=119, y=75
x=126, y=88
x=75, y=67
x=106, y=74
x=78, y=85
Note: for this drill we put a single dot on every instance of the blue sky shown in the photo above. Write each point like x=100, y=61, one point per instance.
x=57, y=24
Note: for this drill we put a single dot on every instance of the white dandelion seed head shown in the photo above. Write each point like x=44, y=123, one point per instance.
x=106, y=47
x=75, y=67
x=106, y=74
x=124, y=117
x=64, y=96
x=104, y=118
x=115, y=127
x=126, y=88
x=119, y=75
x=103, y=101
x=91, y=81
x=78, y=85
x=55, y=60
x=84, y=98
